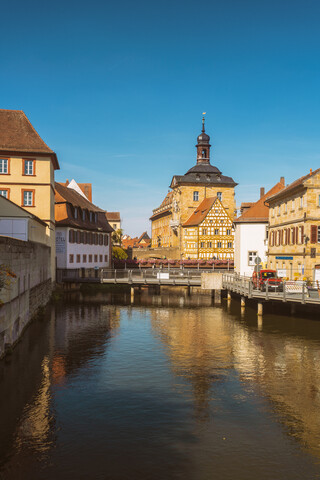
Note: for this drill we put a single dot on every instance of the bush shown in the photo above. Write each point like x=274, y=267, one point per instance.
x=119, y=253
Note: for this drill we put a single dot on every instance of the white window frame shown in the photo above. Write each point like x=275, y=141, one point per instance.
x=252, y=255
x=219, y=195
x=27, y=198
x=196, y=196
x=4, y=164
x=28, y=167
x=4, y=193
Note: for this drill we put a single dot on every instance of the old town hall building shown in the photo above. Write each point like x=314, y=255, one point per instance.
x=195, y=218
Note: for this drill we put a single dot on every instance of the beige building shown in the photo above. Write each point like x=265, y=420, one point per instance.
x=27, y=168
x=294, y=231
x=208, y=233
x=187, y=192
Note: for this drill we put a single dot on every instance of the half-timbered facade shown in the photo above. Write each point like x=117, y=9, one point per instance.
x=201, y=182
x=208, y=233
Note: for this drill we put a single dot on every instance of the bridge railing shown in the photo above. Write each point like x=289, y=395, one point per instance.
x=151, y=274
x=288, y=289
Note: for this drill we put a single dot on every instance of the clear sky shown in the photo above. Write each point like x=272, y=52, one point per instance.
x=117, y=89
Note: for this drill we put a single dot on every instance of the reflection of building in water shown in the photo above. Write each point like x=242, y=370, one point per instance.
x=199, y=346
x=203, y=343
x=287, y=371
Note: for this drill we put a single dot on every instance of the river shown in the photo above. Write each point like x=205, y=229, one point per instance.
x=166, y=387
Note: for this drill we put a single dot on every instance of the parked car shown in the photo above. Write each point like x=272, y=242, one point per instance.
x=260, y=279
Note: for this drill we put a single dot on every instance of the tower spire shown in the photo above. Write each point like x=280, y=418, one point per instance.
x=203, y=119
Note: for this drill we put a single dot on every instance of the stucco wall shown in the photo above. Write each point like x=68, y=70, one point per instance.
x=31, y=289
x=249, y=237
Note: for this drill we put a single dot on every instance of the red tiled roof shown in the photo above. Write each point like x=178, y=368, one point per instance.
x=17, y=135
x=200, y=212
x=66, y=199
x=259, y=212
x=297, y=183
x=144, y=236
x=113, y=216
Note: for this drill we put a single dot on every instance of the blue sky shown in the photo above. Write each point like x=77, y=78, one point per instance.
x=118, y=89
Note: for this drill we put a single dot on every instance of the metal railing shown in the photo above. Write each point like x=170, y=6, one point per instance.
x=299, y=291
x=153, y=276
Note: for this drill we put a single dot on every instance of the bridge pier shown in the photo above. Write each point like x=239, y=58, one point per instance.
x=217, y=296
x=229, y=295
x=132, y=293
x=260, y=308
x=260, y=322
x=243, y=302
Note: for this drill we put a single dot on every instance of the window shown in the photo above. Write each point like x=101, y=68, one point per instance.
x=4, y=193
x=84, y=215
x=285, y=207
x=204, y=153
x=219, y=244
x=251, y=258
x=292, y=207
x=279, y=209
x=27, y=198
x=229, y=244
x=90, y=216
x=71, y=236
x=78, y=258
x=202, y=245
x=95, y=258
x=84, y=258
x=228, y=232
x=106, y=240
x=216, y=232
x=4, y=166
x=318, y=200
x=100, y=239
x=90, y=258
x=70, y=258
x=114, y=226
x=301, y=201
x=75, y=212
x=204, y=231
x=209, y=245
x=318, y=234
x=100, y=259
x=106, y=258
x=28, y=168
x=219, y=195
x=95, y=217
x=195, y=196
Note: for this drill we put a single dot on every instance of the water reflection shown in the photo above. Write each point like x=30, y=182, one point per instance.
x=165, y=387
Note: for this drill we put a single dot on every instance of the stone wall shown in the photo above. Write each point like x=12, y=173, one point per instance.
x=27, y=292
x=170, y=253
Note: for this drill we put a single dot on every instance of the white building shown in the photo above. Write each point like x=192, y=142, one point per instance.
x=83, y=234
x=251, y=233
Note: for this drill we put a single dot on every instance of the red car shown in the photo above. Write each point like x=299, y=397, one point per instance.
x=260, y=279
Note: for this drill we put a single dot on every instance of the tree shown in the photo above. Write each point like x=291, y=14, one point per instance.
x=117, y=237
x=119, y=253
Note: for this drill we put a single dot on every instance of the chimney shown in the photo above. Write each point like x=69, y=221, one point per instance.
x=310, y=171
x=282, y=180
x=261, y=192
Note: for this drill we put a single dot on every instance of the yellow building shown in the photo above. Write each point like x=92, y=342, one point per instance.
x=208, y=233
x=294, y=232
x=187, y=192
x=27, y=168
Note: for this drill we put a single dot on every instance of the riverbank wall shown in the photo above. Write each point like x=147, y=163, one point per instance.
x=25, y=290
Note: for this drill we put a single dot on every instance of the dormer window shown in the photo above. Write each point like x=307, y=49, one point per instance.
x=83, y=215
x=90, y=216
x=75, y=212
x=95, y=217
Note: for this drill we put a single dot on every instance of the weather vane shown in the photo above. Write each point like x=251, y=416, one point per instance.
x=203, y=113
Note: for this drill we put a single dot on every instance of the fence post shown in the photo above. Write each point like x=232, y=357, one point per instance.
x=284, y=291
x=303, y=295
x=115, y=276
x=267, y=290
x=101, y=275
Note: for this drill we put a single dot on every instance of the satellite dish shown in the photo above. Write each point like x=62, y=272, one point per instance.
x=257, y=260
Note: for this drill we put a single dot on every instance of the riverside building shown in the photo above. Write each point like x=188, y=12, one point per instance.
x=27, y=167
x=83, y=234
x=294, y=232
x=170, y=237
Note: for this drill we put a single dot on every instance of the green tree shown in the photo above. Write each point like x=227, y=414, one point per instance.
x=117, y=237
x=119, y=253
